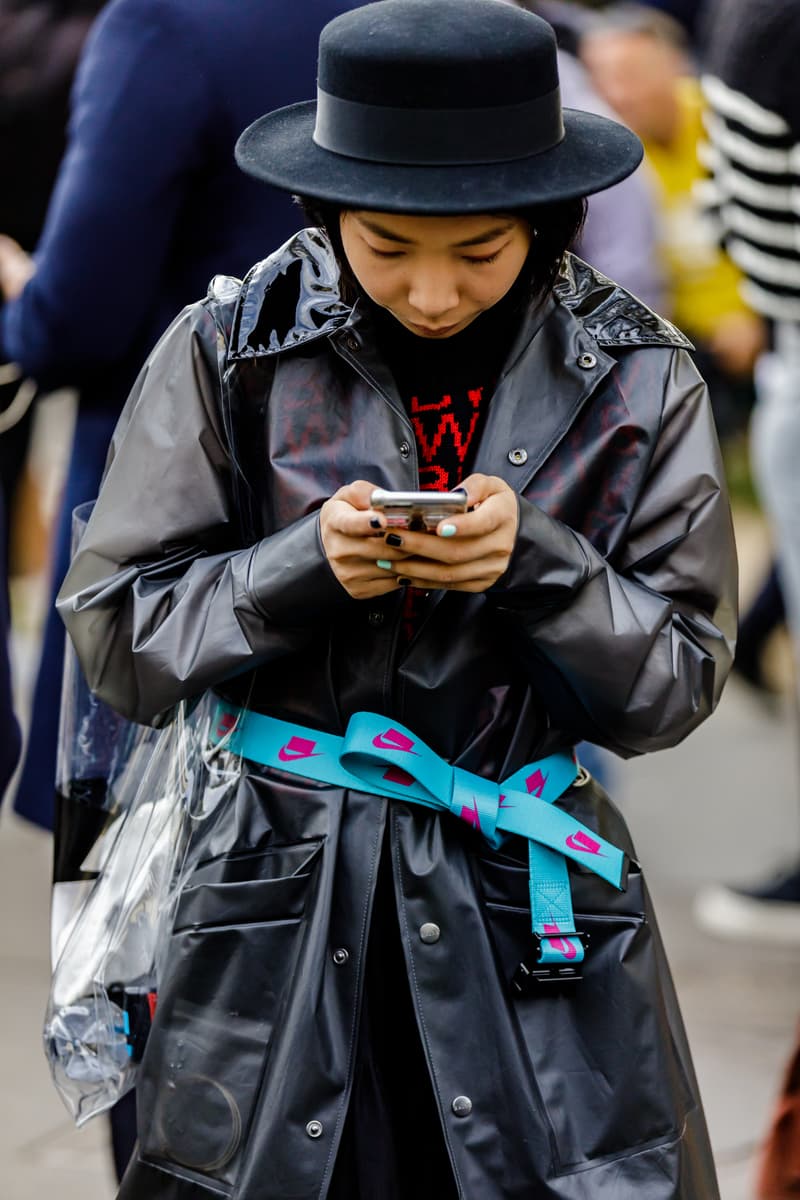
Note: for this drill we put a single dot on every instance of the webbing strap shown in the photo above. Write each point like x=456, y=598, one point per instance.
x=384, y=758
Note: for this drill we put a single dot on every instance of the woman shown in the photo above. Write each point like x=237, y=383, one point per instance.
x=360, y=1008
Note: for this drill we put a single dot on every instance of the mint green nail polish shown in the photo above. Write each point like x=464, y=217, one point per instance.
x=447, y=531
x=384, y=564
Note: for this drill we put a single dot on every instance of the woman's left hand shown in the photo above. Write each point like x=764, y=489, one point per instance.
x=476, y=554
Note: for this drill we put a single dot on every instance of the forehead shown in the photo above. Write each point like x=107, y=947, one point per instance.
x=629, y=51
x=437, y=231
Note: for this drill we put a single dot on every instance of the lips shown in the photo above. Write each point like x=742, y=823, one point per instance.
x=434, y=331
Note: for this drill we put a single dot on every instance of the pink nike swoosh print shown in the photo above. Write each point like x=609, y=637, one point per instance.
x=471, y=815
x=560, y=945
x=298, y=747
x=393, y=739
x=535, y=783
x=398, y=775
x=581, y=841
x=226, y=724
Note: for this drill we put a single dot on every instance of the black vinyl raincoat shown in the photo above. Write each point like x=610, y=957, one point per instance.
x=202, y=567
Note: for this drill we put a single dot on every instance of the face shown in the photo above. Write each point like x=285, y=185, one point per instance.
x=435, y=274
x=637, y=75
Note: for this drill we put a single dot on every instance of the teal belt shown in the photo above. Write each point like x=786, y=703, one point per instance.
x=380, y=757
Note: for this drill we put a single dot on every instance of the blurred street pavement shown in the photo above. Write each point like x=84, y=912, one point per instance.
x=725, y=805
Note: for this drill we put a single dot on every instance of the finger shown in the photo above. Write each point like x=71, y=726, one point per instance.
x=494, y=504
x=456, y=548
x=358, y=493
x=481, y=584
x=364, y=580
x=480, y=487
x=366, y=589
x=361, y=550
x=426, y=573
x=349, y=521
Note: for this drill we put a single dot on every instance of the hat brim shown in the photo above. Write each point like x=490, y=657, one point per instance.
x=594, y=154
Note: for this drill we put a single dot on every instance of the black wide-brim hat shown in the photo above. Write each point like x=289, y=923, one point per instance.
x=437, y=106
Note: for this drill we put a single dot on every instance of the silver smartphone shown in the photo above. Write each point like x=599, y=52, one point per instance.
x=418, y=510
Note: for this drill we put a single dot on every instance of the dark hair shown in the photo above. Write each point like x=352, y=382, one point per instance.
x=557, y=227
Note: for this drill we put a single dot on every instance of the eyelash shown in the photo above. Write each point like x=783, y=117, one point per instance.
x=483, y=261
x=490, y=258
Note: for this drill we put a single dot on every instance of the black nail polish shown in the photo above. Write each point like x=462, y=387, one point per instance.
x=393, y=539
x=375, y=522
x=404, y=582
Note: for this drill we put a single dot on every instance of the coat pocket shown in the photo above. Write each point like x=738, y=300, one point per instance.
x=604, y=1060
x=231, y=959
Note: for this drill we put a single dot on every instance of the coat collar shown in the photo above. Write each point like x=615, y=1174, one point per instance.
x=292, y=298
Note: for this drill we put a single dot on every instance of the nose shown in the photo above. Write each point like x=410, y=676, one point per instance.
x=432, y=292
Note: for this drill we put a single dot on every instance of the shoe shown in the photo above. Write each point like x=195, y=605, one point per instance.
x=770, y=913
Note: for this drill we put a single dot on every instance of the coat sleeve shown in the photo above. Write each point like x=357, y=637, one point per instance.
x=161, y=599
x=632, y=654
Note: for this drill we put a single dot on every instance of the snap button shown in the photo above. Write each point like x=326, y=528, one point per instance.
x=405, y=449
x=518, y=456
x=340, y=956
x=462, y=1106
x=351, y=341
x=314, y=1129
x=587, y=361
x=376, y=617
x=429, y=933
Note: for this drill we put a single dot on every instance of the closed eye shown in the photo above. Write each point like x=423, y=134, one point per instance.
x=384, y=253
x=490, y=258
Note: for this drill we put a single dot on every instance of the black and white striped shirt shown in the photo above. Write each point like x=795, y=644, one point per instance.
x=753, y=149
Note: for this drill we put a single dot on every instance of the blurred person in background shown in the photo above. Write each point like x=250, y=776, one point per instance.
x=620, y=235
x=638, y=60
x=754, y=147
x=39, y=49
x=148, y=206
x=688, y=12
x=751, y=85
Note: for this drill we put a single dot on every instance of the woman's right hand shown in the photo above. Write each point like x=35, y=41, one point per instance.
x=352, y=537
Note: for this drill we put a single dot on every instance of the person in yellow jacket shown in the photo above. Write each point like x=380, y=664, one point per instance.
x=639, y=62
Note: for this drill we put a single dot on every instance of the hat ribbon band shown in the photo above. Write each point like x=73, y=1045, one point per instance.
x=438, y=137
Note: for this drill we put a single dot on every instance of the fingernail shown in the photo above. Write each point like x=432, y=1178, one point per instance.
x=384, y=564
x=375, y=522
x=447, y=531
x=393, y=539
x=403, y=581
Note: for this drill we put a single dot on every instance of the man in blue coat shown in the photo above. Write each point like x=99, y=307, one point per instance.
x=148, y=206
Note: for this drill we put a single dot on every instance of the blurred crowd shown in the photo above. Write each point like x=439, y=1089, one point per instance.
x=120, y=200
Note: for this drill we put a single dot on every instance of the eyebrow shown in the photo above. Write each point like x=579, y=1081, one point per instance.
x=479, y=239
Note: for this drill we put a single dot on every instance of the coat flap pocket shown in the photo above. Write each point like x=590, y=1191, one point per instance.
x=276, y=862
x=241, y=903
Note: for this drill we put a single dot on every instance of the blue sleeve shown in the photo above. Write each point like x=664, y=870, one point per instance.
x=10, y=735
x=141, y=116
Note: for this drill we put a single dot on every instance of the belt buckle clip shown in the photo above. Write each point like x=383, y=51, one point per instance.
x=538, y=978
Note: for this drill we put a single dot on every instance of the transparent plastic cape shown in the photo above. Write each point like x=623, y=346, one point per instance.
x=129, y=800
